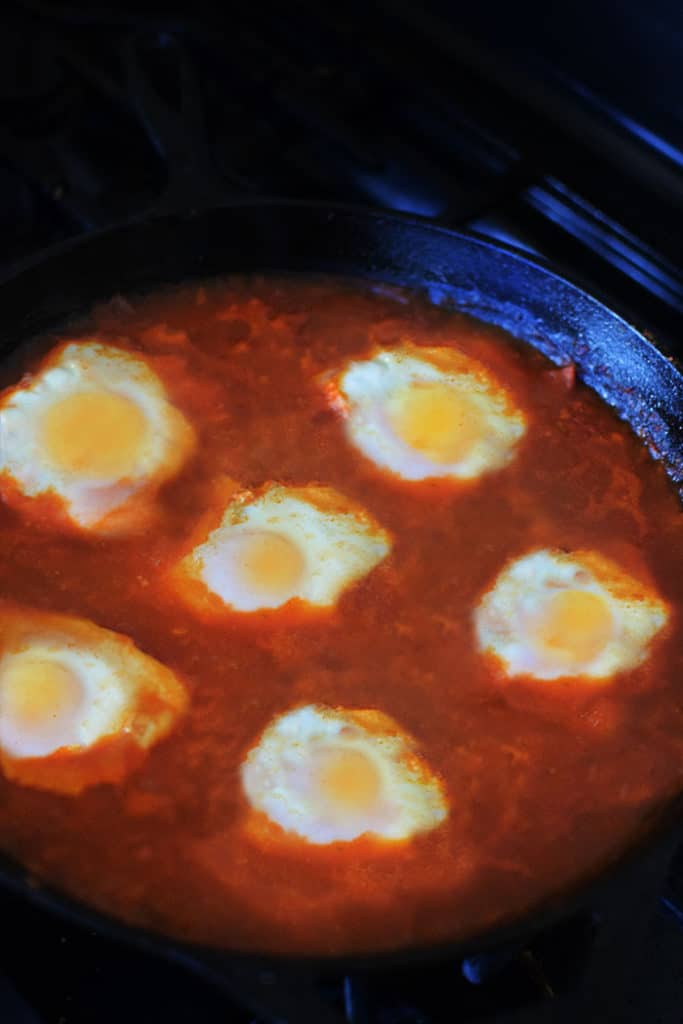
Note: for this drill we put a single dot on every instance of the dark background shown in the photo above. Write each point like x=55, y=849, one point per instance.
x=554, y=127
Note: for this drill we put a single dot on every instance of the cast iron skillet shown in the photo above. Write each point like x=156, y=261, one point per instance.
x=500, y=286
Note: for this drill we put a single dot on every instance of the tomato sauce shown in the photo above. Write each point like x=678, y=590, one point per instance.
x=546, y=781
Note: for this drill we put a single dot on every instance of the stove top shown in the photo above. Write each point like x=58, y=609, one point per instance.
x=516, y=127
x=55, y=973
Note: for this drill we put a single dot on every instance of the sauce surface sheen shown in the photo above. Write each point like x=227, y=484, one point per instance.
x=545, y=780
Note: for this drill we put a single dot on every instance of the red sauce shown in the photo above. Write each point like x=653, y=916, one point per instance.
x=545, y=781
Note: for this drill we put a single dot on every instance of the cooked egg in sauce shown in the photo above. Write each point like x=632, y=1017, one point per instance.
x=94, y=428
x=308, y=543
x=428, y=412
x=79, y=704
x=331, y=775
x=551, y=614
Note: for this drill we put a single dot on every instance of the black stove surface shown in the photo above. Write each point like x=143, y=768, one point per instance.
x=55, y=973
x=513, y=126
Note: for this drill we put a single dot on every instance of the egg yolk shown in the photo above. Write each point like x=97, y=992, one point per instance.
x=269, y=563
x=38, y=694
x=98, y=433
x=438, y=421
x=350, y=780
x=575, y=625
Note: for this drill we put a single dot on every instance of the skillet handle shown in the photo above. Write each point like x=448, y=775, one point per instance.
x=177, y=131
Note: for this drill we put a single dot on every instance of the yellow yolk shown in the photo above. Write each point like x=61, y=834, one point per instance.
x=576, y=624
x=97, y=433
x=37, y=693
x=350, y=779
x=437, y=421
x=269, y=562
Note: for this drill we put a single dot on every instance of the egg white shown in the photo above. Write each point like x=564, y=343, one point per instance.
x=283, y=776
x=509, y=619
x=374, y=395
x=66, y=686
x=309, y=543
x=97, y=373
